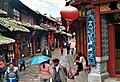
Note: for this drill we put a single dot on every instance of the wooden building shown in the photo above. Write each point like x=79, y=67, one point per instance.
x=107, y=24
x=28, y=28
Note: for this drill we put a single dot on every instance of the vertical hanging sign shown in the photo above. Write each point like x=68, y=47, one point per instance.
x=91, y=47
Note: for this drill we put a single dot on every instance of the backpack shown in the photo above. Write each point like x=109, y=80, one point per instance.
x=3, y=67
x=1, y=64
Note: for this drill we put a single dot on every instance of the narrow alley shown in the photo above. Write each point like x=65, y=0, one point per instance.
x=31, y=74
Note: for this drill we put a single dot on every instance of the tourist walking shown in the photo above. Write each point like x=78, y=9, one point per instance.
x=59, y=72
x=22, y=63
x=47, y=52
x=12, y=73
x=68, y=48
x=45, y=71
x=61, y=48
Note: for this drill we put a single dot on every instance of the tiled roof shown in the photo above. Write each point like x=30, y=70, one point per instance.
x=28, y=25
x=6, y=40
x=7, y=23
x=3, y=12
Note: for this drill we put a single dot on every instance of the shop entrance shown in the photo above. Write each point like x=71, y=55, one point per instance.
x=117, y=48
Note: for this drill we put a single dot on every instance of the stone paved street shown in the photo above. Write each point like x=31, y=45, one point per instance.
x=31, y=74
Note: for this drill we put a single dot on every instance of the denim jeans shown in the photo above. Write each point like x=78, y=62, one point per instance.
x=44, y=79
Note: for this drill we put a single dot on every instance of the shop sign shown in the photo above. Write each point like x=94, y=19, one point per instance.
x=91, y=47
x=114, y=17
x=104, y=7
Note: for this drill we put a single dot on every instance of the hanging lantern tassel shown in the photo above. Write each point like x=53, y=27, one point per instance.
x=68, y=24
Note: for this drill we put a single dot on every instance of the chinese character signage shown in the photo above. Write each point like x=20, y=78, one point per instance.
x=114, y=17
x=91, y=47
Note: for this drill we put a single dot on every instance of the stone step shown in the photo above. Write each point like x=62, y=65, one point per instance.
x=112, y=80
x=82, y=77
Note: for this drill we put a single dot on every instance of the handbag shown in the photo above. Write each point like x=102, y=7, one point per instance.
x=72, y=71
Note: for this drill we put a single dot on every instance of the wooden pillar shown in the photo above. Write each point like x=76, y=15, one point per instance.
x=21, y=45
x=99, y=70
x=84, y=41
x=111, y=47
x=33, y=45
x=16, y=54
x=98, y=32
x=29, y=41
x=79, y=40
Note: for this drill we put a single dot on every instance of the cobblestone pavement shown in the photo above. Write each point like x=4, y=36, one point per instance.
x=31, y=74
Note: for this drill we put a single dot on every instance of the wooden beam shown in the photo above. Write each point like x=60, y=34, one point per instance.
x=111, y=11
x=77, y=3
x=102, y=1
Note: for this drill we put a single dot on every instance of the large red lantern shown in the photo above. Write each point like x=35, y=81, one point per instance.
x=69, y=13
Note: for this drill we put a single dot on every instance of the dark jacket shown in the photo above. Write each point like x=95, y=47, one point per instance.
x=62, y=72
x=49, y=53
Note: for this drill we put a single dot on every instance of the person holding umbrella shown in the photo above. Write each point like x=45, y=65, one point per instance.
x=45, y=69
x=46, y=72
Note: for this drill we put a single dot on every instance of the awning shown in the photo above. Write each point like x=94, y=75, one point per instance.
x=62, y=27
x=48, y=27
x=38, y=27
x=6, y=40
x=7, y=23
x=57, y=31
x=53, y=29
x=3, y=12
x=62, y=32
x=68, y=34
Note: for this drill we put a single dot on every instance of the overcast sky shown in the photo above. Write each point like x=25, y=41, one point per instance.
x=51, y=7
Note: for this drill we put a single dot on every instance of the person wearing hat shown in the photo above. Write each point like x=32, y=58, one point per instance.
x=12, y=73
x=59, y=72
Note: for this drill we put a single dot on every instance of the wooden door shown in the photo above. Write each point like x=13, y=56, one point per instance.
x=117, y=50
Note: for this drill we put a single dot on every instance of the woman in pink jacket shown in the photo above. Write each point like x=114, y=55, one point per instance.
x=46, y=72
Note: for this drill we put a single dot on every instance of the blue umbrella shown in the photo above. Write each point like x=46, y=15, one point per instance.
x=39, y=59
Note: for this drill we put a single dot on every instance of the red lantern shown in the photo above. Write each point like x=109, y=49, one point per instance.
x=48, y=36
x=69, y=13
x=49, y=41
